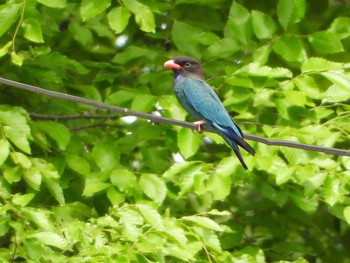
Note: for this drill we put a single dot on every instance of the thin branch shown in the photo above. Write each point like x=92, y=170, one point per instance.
x=158, y=119
x=97, y=125
x=37, y=116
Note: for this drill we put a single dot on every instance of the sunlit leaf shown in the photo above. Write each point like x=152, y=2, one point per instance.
x=93, y=187
x=341, y=27
x=143, y=15
x=347, y=214
x=4, y=150
x=123, y=179
x=53, y=3
x=263, y=25
x=188, y=142
x=203, y=221
x=289, y=48
x=89, y=9
x=118, y=18
x=326, y=42
x=8, y=15
x=22, y=200
x=320, y=64
x=153, y=187
x=290, y=12
x=56, y=131
x=50, y=239
x=239, y=24
x=32, y=31
x=5, y=49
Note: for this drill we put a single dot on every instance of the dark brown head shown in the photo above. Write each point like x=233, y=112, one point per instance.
x=185, y=66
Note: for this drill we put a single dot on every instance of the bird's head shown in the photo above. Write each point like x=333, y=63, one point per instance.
x=185, y=66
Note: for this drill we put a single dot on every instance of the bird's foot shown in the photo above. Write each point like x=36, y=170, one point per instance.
x=199, y=125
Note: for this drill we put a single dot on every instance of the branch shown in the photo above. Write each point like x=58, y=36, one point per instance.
x=158, y=119
x=37, y=116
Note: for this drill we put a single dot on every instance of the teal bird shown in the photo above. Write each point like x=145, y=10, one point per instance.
x=202, y=103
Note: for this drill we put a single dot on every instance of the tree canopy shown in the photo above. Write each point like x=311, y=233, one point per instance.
x=81, y=184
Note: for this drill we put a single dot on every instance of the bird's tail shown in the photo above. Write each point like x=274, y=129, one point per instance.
x=236, y=150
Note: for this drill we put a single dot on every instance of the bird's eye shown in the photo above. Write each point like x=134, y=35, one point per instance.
x=188, y=64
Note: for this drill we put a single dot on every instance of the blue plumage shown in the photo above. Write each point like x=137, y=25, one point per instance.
x=202, y=103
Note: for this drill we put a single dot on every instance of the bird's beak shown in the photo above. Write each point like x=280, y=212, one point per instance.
x=171, y=64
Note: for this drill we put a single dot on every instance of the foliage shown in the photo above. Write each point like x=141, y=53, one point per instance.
x=126, y=190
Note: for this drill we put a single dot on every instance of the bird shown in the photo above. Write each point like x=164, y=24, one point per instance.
x=198, y=98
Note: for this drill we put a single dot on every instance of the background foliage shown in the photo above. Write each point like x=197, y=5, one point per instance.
x=126, y=190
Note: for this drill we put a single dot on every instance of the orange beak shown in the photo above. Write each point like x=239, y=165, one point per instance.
x=171, y=64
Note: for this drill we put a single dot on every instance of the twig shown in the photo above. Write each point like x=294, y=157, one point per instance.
x=97, y=125
x=37, y=116
x=158, y=119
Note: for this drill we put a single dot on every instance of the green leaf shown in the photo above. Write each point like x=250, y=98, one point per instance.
x=106, y=156
x=308, y=205
x=263, y=25
x=289, y=48
x=22, y=200
x=341, y=27
x=187, y=38
x=5, y=48
x=92, y=187
x=153, y=187
x=118, y=18
x=223, y=47
x=32, y=31
x=254, y=69
x=8, y=16
x=32, y=177
x=203, y=222
x=132, y=52
x=290, y=12
x=78, y=164
x=12, y=175
x=325, y=42
x=219, y=183
x=18, y=138
x=39, y=216
x=114, y=196
x=50, y=239
x=53, y=3
x=336, y=94
x=143, y=15
x=346, y=214
x=21, y=160
x=239, y=25
x=210, y=239
x=123, y=179
x=151, y=216
x=284, y=175
x=295, y=97
x=50, y=177
x=143, y=102
x=332, y=191
x=339, y=79
x=56, y=131
x=91, y=8
x=320, y=64
x=4, y=150
x=188, y=142
x=17, y=58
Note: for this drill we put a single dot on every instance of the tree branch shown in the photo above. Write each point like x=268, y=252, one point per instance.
x=37, y=116
x=158, y=119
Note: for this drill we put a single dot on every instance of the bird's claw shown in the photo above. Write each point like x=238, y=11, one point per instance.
x=199, y=125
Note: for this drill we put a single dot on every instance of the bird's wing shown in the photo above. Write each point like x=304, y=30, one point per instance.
x=205, y=101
